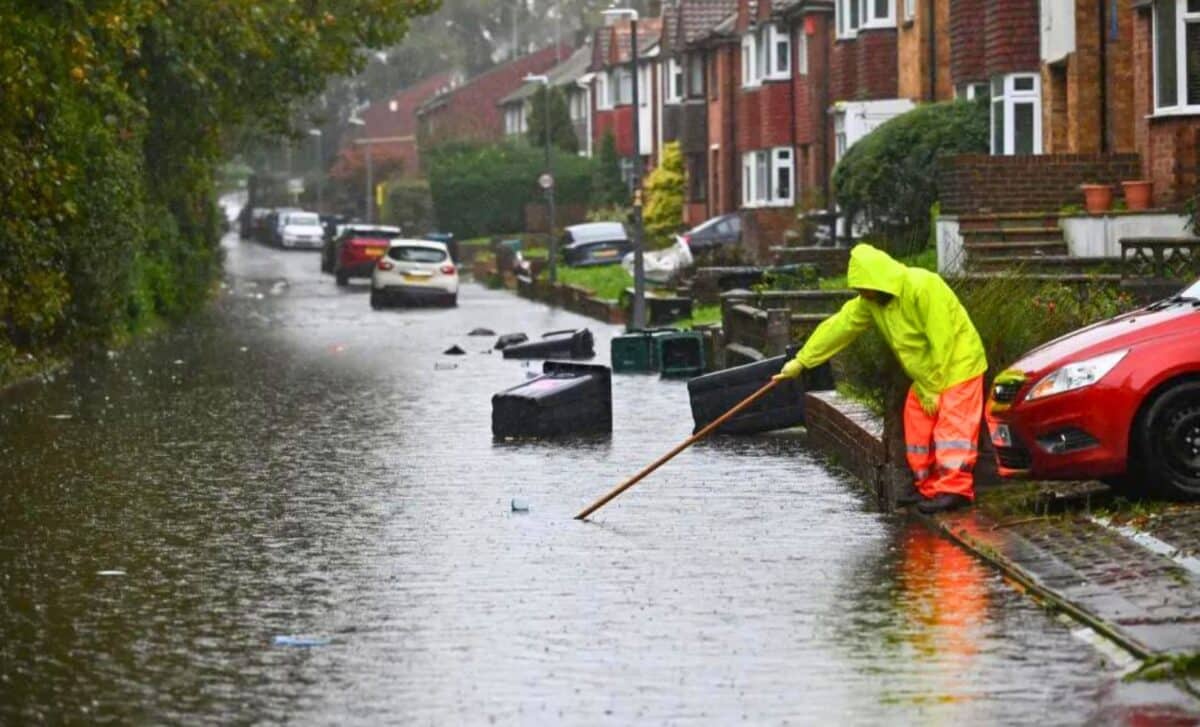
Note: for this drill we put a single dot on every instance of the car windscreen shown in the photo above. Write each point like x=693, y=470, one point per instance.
x=416, y=254
x=310, y=220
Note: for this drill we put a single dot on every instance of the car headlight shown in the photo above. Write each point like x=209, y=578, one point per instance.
x=1076, y=375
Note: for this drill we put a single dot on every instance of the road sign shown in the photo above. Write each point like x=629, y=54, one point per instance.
x=295, y=185
x=546, y=181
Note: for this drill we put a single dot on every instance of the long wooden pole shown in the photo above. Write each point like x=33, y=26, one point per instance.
x=669, y=455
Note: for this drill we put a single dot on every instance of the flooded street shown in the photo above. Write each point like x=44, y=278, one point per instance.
x=293, y=464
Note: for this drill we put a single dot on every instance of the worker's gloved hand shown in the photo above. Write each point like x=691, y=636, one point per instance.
x=791, y=370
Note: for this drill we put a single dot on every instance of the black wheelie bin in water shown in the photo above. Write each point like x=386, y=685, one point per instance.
x=573, y=343
x=714, y=394
x=568, y=398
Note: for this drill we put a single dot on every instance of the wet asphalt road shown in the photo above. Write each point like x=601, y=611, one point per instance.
x=293, y=464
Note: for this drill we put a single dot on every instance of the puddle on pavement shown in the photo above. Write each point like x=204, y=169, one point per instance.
x=310, y=470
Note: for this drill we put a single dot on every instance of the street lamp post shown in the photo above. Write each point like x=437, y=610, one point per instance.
x=545, y=81
x=320, y=170
x=639, y=267
x=370, y=192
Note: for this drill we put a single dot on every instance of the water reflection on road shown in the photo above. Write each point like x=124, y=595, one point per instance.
x=294, y=464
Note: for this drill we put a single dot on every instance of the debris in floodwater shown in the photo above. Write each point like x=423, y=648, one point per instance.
x=481, y=332
x=509, y=339
x=112, y=573
x=519, y=505
x=454, y=351
x=62, y=417
x=178, y=362
x=303, y=642
x=444, y=366
x=244, y=349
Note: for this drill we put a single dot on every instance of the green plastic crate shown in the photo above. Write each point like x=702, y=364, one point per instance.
x=680, y=354
x=636, y=352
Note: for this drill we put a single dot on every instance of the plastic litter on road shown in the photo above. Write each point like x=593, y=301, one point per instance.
x=481, y=332
x=568, y=398
x=519, y=505
x=574, y=343
x=444, y=366
x=509, y=339
x=302, y=642
x=454, y=351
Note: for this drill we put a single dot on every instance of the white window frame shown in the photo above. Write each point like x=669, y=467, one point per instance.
x=762, y=172
x=1009, y=98
x=848, y=18
x=840, y=139
x=620, y=87
x=801, y=51
x=750, y=76
x=778, y=39
x=673, y=82
x=603, y=100
x=972, y=91
x=869, y=19
x=910, y=9
x=1182, y=19
x=645, y=85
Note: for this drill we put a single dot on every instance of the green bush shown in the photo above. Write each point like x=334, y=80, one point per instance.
x=409, y=204
x=608, y=188
x=562, y=131
x=887, y=182
x=663, y=215
x=482, y=189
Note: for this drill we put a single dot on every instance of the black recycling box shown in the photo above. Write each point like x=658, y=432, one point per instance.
x=568, y=398
x=574, y=343
x=714, y=394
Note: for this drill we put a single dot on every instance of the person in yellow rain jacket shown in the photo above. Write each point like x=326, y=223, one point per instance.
x=937, y=345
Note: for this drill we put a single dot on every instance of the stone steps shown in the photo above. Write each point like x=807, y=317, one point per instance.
x=1025, y=248
x=1011, y=234
x=1045, y=264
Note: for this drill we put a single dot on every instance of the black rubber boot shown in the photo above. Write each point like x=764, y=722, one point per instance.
x=944, y=502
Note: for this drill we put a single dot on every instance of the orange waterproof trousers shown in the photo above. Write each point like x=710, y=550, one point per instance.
x=942, y=448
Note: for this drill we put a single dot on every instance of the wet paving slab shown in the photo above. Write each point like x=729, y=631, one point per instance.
x=292, y=510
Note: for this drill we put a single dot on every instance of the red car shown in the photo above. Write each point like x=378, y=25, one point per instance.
x=358, y=248
x=1117, y=401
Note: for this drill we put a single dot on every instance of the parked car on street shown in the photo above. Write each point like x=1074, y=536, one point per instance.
x=1117, y=401
x=300, y=229
x=595, y=243
x=356, y=249
x=270, y=232
x=721, y=231
x=420, y=271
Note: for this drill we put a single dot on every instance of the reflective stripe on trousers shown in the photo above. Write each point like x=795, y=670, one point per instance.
x=942, y=449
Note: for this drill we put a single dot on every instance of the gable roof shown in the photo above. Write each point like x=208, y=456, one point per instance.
x=564, y=74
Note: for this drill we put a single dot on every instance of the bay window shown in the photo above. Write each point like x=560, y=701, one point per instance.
x=1016, y=114
x=1177, y=56
x=766, y=55
x=695, y=67
x=848, y=19
x=603, y=99
x=855, y=15
x=878, y=14
x=768, y=178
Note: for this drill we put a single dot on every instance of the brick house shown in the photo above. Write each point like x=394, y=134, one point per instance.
x=392, y=125
x=470, y=111
x=612, y=89
x=567, y=76
x=684, y=73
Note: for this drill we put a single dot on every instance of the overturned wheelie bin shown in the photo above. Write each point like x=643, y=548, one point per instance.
x=573, y=343
x=568, y=398
x=714, y=394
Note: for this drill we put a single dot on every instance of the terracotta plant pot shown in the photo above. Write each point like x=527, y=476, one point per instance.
x=1137, y=194
x=1097, y=197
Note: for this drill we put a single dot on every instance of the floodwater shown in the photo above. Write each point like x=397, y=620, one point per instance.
x=294, y=464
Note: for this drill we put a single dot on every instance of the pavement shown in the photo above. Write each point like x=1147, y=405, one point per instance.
x=1129, y=571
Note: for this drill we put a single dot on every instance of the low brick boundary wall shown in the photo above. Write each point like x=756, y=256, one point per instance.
x=852, y=436
x=1043, y=182
x=573, y=298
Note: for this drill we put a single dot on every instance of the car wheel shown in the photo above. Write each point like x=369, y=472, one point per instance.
x=1168, y=442
x=452, y=300
x=377, y=300
x=342, y=279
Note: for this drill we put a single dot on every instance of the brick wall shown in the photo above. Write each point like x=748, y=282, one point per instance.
x=967, y=41
x=1011, y=36
x=725, y=190
x=693, y=133
x=764, y=116
x=843, y=69
x=620, y=122
x=876, y=65
x=848, y=433
x=763, y=228
x=978, y=182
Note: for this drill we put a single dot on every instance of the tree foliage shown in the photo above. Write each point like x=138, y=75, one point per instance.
x=562, y=131
x=482, y=189
x=887, y=181
x=608, y=188
x=114, y=118
x=664, y=197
